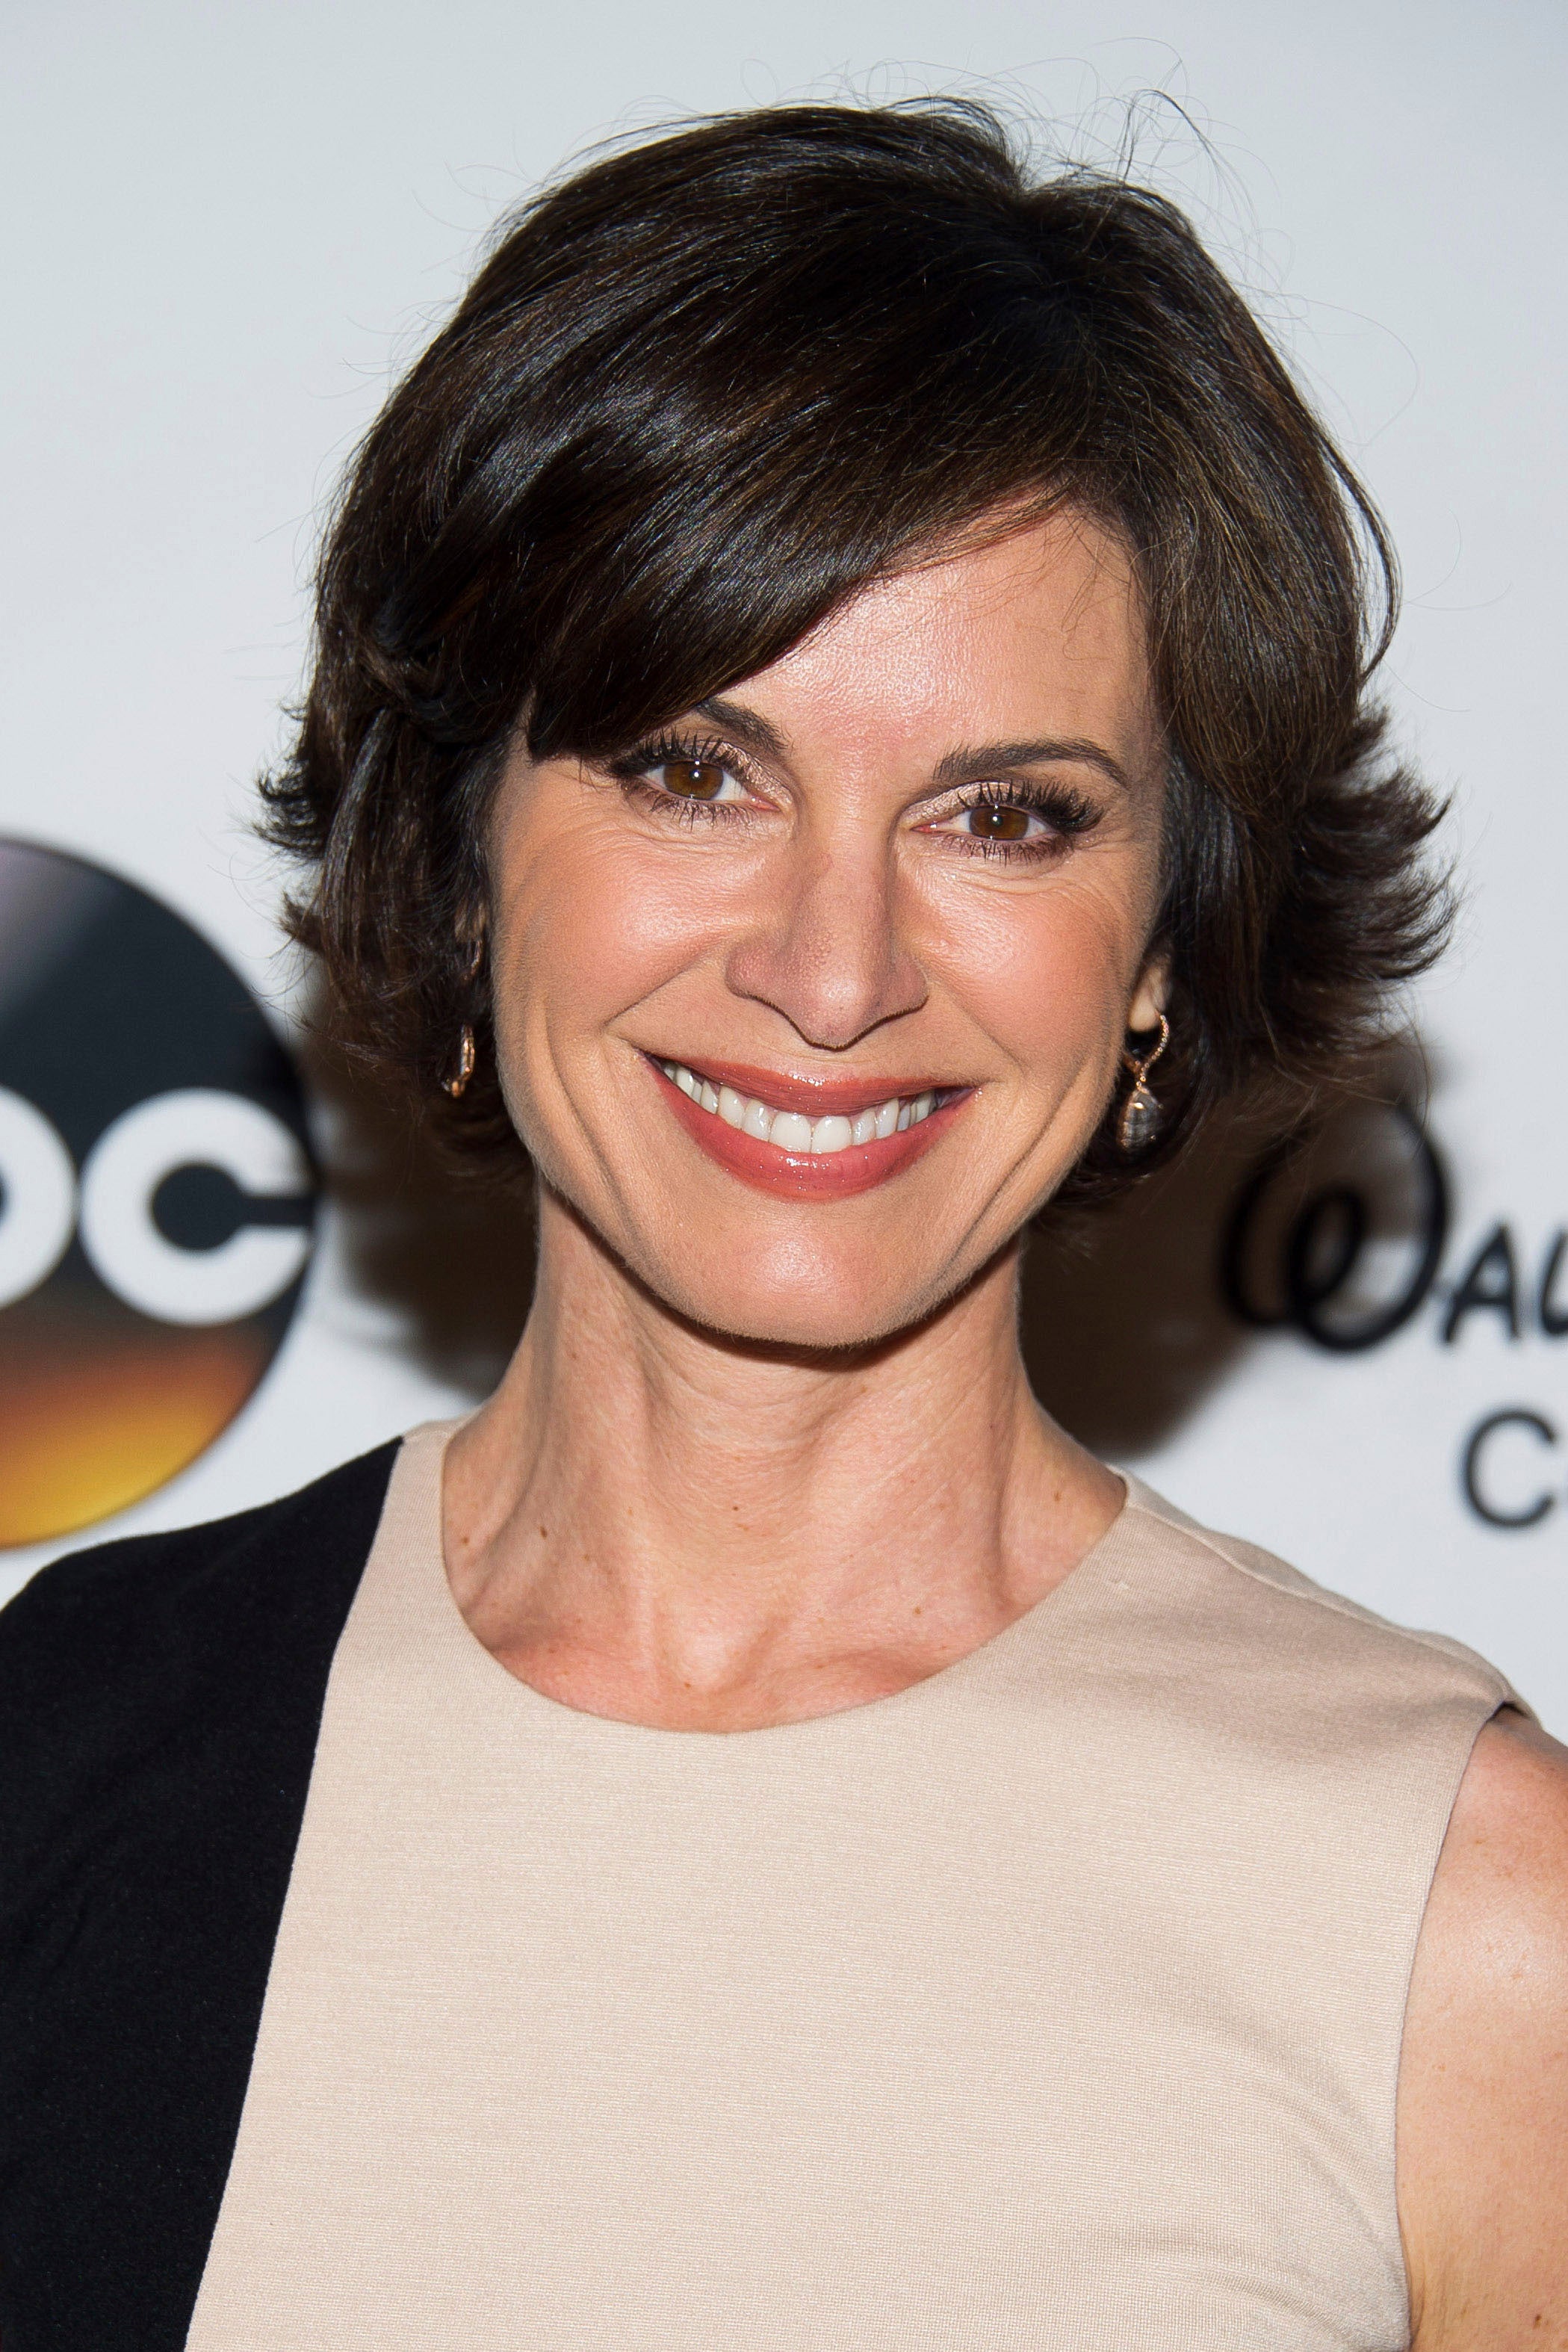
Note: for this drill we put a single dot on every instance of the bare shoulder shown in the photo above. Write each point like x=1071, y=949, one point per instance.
x=1483, y=2089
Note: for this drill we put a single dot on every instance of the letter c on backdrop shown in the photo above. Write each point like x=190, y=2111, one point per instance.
x=1476, y=1457
x=195, y=1127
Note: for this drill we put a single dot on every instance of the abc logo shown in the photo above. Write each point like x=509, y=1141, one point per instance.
x=157, y=1196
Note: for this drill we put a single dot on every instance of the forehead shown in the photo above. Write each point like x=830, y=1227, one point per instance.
x=1038, y=630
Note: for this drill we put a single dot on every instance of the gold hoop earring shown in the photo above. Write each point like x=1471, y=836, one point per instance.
x=1142, y=1117
x=467, y=1057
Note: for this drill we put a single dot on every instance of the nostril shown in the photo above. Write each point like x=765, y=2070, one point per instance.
x=830, y=992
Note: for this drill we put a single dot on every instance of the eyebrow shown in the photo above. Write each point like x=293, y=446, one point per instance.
x=751, y=733
x=967, y=765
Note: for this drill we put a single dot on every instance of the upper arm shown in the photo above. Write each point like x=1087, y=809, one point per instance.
x=1483, y=2086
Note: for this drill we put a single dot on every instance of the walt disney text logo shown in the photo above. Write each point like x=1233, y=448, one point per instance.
x=1344, y=1240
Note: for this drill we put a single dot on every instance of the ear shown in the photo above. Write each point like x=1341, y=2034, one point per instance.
x=1148, y=1001
x=470, y=932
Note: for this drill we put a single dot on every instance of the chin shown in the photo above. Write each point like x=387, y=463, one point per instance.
x=827, y=1308
x=816, y=1326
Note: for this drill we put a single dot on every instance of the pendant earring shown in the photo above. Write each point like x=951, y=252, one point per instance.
x=1142, y=1117
x=466, y=1056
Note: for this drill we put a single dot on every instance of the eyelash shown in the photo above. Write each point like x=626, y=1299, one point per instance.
x=1064, y=809
x=633, y=773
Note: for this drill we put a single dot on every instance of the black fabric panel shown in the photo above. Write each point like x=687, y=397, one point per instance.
x=160, y=1701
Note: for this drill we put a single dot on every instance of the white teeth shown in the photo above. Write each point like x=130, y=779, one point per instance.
x=790, y=1130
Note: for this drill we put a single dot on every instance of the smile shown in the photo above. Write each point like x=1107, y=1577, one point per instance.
x=823, y=1139
x=793, y=1130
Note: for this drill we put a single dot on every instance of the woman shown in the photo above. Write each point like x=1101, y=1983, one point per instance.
x=840, y=717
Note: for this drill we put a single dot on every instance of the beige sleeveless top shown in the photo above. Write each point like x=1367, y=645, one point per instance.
x=1053, y=2002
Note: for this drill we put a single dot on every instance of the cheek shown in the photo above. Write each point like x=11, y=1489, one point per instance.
x=589, y=924
x=1045, y=976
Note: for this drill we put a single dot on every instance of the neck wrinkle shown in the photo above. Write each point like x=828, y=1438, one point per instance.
x=682, y=1512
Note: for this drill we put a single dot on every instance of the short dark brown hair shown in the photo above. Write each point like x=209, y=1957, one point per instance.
x=708, y=387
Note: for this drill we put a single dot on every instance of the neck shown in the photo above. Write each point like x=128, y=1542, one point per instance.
x=653, y=1522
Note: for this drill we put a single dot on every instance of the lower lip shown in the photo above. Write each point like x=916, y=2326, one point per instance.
x=806, y=1175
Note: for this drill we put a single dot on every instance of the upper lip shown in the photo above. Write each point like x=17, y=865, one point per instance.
x=822, y=1097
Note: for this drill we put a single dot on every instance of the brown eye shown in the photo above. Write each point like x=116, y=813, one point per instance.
x=692, y=780
x=992, y=821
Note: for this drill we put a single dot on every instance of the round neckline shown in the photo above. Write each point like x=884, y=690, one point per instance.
x=584, y=1723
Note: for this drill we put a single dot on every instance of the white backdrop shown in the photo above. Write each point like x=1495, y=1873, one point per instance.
x=230, y=224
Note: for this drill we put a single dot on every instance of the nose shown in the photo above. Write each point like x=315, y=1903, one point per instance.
x=825, y=951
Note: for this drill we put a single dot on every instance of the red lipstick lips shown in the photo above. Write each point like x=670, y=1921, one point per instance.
x=797, y=1173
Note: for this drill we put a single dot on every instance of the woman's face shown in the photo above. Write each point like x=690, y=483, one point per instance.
x=805, y=1006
